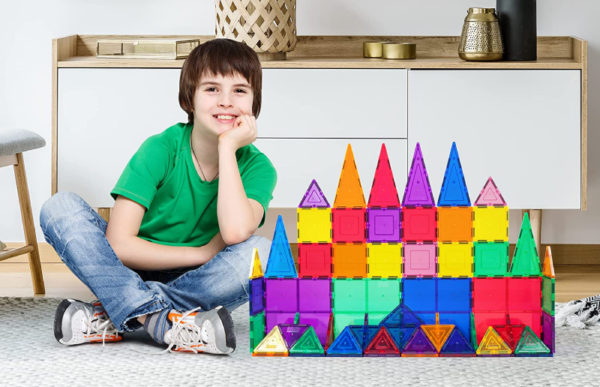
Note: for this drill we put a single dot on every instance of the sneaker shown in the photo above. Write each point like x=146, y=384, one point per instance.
x=78, y=322
x=210, y=331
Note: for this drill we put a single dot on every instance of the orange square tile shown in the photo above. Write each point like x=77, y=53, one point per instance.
x=455, y=224
x=349, y=260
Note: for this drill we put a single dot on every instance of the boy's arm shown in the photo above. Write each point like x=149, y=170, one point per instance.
x=239, y=216
x=137, y=253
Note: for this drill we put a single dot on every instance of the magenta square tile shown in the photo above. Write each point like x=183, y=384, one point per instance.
x=420, y=259
x=274, y=318
x=281, y=295
x=319, y=322
x=314, y=295
x=383, y=225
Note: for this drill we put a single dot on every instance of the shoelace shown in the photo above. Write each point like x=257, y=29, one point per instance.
x=101, y=323
x=181, y=335
x=184, y=335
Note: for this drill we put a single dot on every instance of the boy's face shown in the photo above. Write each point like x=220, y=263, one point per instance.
x=219, y=100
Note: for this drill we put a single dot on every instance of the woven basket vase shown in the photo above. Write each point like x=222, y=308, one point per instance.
x=266, y=26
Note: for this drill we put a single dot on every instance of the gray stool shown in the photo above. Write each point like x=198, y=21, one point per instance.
x=13, y=142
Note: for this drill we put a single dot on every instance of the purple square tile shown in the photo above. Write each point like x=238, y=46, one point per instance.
x=319, y=322
x=314, y=295
x=274, y=318
x=383, y=225
x=281, y=295
x=548, y=331
x=257, y=296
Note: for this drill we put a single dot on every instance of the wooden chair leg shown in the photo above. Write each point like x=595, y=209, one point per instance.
x=35, y=265
x=535, y=218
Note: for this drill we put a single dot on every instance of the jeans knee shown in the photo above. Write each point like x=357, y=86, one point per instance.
x=262, y=244
x=62, y=203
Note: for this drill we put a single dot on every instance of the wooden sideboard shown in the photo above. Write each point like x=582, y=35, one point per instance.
x=523, y=123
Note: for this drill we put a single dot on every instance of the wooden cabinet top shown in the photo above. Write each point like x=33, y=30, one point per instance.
x=433, y=52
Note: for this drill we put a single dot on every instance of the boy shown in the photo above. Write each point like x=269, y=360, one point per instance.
x=180, y=233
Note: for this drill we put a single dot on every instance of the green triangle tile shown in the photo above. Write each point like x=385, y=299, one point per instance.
x=308, y=345
x=526, y=261
x=530, y=344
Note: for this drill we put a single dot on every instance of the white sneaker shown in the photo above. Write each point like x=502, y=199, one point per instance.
x=78, y=322
x=210, y=331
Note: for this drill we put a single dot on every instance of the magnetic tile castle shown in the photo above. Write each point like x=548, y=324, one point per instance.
x=405, y=278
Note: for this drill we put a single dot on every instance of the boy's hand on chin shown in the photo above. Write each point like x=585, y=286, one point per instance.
x=243, y=133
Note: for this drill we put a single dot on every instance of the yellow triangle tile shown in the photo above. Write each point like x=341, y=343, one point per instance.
x=272, y=345
x=256, y=269
x=492, y=344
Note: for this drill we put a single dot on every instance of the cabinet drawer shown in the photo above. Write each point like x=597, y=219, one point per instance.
x=299, y=161
x=521, y=127
x=104, y=115
x=333, y=103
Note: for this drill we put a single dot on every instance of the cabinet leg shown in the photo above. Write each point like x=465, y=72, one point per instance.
x=535, y=218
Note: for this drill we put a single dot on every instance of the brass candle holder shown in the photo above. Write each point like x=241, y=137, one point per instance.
x=373, y=49
x=393, y=50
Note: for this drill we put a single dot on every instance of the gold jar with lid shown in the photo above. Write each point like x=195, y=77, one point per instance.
x=481, y=39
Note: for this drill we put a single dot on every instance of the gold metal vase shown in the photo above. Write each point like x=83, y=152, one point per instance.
x=481, y=39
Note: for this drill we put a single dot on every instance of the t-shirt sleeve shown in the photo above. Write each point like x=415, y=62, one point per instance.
x=259, y=182
x=144, y=173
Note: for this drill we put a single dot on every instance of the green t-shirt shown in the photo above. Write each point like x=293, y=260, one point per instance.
x=181, y=207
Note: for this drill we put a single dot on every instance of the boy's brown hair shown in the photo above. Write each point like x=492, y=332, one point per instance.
x=224, y=57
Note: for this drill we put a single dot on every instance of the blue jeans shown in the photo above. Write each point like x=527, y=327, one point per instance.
x=78, y=234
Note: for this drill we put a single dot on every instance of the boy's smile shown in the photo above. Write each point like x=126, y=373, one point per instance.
x=225, y=118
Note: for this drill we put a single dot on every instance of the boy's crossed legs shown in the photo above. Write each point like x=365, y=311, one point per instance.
x=77, y=233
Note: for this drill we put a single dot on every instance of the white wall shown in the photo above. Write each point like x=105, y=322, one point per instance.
x=27, y=29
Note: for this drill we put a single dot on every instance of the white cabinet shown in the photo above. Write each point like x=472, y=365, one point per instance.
x=521, y=127
x=299, y=161
x=333, y=103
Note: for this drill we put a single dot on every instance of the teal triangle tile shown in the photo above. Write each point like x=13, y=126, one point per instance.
x=364, y=333
x=359, y=333
x=401, y=316
x=401, y=335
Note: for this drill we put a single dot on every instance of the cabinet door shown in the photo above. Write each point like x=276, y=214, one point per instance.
x=521, y=127
x=333, y=103
x=299, y=161
x=104, y=115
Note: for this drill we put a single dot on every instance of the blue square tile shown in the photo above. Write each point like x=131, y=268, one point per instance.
x=454, y=295
x=257, y=296
x=419, y=294
x=428, y=318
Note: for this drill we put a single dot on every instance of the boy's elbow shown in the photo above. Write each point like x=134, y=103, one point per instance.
x=235, y=236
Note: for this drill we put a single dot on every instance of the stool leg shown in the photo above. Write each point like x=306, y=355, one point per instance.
x=28, y=226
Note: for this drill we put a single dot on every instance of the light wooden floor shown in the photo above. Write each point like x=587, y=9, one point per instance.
x=572, y=282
